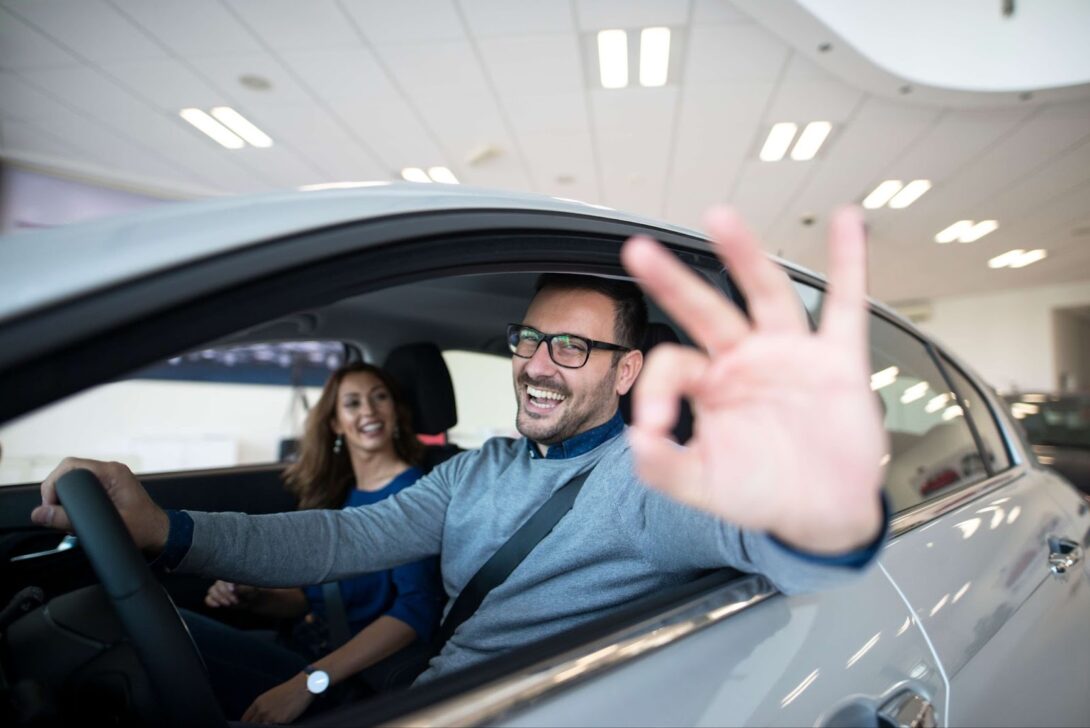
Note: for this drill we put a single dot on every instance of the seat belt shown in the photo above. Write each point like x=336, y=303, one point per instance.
x=336, y=618
x=496, y=570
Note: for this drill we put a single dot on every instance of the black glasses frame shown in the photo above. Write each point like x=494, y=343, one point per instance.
x=514, y=336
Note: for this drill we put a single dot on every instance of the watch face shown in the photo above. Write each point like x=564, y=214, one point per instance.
x=317, y=681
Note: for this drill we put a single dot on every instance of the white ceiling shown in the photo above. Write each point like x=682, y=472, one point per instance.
x=362, y=88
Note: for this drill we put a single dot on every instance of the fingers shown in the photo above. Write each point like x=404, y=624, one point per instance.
x=710, y=319
x=51, y=517
x=844, y=313
x=773, y=304
x=670, y=372
x=221, y=594
x=50, y=514
x=666, y=465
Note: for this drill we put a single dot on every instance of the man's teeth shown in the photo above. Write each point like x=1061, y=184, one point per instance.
x=544, y=394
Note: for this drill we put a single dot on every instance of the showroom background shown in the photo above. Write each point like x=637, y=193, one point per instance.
x=987, y=101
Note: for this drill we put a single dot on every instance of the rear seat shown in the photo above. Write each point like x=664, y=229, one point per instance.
x=424, y=380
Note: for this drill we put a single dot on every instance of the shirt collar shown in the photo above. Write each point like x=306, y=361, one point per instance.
x=580, y=443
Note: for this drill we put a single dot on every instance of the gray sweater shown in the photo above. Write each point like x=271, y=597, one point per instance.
x=621, y=541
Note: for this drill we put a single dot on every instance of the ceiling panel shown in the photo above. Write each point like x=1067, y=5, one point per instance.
x=191, y=28
x=323, y=143
x=739, y=52
x=715, y=133
x=561, y=163
x=280, y=164
x=708, y=12
x=25, y=137
x=294, y=25
x=1069, y=170
x=224, y=72
x=634, y=156
x=392, y=130
x=516, y=17
x=594, y=15
x=341, y=74
x=115, y=38
x=22, y=46
x=563, y=112
x=806, y=93
x=538, y=64
x=412, y=21
x=448, y=65
x=22, y=100
x=167, y=83
x=764, y=188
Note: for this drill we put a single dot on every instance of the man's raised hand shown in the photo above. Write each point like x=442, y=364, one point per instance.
x=788, y=436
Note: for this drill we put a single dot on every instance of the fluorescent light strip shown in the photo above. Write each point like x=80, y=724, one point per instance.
x=912, y=192
x=1031, y=256
x=954, y=232
x=779, y=139
x=654, y=56
x=415, y=174
x=221, y=134
x=882, y=194
x=442, y=175
x=810, y=141
x=884, y=378
x=242, y=126
x=1004, y=260
x=978, y=231
x=613, y=58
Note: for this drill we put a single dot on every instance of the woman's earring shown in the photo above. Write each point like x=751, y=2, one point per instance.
x=397, y=431
x=338, y=445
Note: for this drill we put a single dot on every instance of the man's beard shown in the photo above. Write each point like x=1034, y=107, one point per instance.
x=573, y=421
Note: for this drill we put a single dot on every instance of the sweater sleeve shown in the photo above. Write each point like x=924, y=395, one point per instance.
x=313, y=547
x=675, y=537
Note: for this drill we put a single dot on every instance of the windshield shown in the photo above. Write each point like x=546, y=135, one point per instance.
x=1057, y=421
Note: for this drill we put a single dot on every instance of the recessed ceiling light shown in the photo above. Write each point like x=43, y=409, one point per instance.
x=415, y=174
x=978, y=231
x=242, y=126
x=810, y=141
x=442, y=175
x=613, y=58
x=654, y=56
x=912, y=192
x=882, y=194
x=779, y=139
x=212, y=128
x=954, y=232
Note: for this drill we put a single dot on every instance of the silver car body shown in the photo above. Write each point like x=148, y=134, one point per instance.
x=966, y=618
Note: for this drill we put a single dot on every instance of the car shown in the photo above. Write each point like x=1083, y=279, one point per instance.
x=974, y=615
x=1058, y=429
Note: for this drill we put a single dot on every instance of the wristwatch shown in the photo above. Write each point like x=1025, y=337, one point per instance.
x=317, y=680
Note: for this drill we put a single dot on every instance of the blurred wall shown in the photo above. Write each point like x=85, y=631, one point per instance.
x=1008, y=337
x=32, y=199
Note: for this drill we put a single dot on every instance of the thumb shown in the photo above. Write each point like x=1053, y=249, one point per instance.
x=51, y=516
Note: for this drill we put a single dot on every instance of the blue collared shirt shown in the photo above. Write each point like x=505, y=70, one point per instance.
x=582, y=442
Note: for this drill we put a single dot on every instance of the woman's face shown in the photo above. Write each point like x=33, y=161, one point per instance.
x=365, y=413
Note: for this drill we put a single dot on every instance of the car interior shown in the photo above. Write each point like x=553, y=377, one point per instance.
x=63, y=650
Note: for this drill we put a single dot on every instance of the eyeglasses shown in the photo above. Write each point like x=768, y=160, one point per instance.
x=567, y=350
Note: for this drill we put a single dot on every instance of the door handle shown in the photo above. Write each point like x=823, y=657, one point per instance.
x=907, y=709
x=1064, y=555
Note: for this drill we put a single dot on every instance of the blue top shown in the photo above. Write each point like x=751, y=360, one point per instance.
x=412, y=593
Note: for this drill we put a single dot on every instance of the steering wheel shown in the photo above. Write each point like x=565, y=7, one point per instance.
x=157, y=633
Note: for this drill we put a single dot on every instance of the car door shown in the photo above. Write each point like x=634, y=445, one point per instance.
x=974, y=562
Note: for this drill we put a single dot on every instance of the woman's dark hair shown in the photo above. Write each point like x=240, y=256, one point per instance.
x=321, y=478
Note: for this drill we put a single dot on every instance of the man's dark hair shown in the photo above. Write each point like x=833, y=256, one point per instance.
x=629, y=306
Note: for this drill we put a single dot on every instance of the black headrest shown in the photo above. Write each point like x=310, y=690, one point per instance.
x=658, y=333
x=424, y=380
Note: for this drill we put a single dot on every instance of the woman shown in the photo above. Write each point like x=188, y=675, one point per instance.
x=358, y=448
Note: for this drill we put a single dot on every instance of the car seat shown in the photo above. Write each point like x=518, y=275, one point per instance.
x=424, y=381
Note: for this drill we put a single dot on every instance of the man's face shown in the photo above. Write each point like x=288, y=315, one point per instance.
x=555, y=403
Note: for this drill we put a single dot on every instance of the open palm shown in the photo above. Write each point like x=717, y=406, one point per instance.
x=788, y=436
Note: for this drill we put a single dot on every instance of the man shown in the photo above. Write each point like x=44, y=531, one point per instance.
x=782, y=475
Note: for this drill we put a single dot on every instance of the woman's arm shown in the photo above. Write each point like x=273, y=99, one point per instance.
x=287, y=701
x=279, y=603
